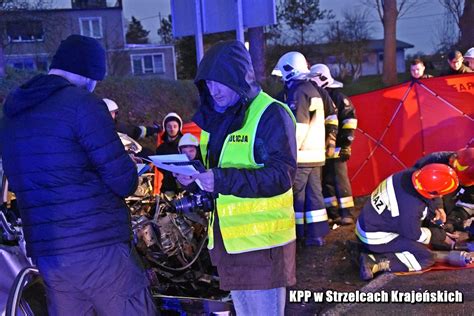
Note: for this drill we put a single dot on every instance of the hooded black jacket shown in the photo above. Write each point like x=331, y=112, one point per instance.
x=67, y=167
x=275, y=146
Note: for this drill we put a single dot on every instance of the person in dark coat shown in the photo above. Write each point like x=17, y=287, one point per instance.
x=251, y=168
x=417, y=70
x=70, y=173
x=173, y=124
x=456, y=64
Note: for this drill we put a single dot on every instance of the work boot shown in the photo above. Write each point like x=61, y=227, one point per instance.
x=369, y=267
x=332, y=221
x=346, y=217
x=347, y=220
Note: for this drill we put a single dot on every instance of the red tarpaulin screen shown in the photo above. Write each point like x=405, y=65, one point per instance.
x=400, y=124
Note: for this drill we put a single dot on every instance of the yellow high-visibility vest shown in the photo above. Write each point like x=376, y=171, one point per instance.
x=249, y=224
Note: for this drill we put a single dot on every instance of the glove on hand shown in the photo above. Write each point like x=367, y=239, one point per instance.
x=330, y=145
x=345, y=153
x=152, y=130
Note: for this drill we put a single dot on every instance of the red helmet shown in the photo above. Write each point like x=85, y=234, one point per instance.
x=435, y=180
x=463, y=164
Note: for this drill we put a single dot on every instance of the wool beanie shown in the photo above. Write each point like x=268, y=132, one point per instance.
x=81, y=55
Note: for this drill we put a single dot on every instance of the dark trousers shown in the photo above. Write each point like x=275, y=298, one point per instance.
x=104, y=281
x=337, y=189
x=309, y=204
x=404, y=254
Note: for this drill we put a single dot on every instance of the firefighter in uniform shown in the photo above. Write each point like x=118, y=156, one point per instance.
x=389, y=225
x=337, y=189
x=316, y=131
x=455, y=209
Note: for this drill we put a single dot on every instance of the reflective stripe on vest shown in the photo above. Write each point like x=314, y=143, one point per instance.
x=249, y=224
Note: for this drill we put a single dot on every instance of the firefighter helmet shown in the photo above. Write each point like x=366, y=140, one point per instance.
x=463, y=164
x=321, y=74
x=111, y=105
x=435, y=180
x=292, y=65
x=188, y=139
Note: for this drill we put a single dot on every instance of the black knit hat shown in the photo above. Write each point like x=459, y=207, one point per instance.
x=81, y=55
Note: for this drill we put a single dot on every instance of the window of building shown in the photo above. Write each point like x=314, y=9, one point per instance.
x=39, y=63
x=91, y=27
x=148, y=64
x=25, y=31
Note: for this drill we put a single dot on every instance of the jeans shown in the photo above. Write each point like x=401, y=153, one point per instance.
x=260, y=302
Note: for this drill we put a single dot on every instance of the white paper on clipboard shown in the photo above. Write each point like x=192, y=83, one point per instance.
x=178, y=163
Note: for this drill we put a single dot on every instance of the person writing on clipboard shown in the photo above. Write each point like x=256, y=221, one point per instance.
x=248, y=145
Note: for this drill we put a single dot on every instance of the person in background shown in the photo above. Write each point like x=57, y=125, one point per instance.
x=417, y=70
x=135, y=132
x=172, y=123
x=456, y=65
x=316, y=131
x=251, y=168
x=469, y=58
x=337, y=189
x=189, y=145
x=70, y=174
x=389, y=224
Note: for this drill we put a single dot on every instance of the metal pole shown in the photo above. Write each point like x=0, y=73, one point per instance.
x=198, y=36
x=240, y=22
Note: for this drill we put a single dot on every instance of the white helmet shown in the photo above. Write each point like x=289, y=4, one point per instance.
x=111, y=105
x=292, y=65
x=188, y=139
x=469, y=53
x=321, y=74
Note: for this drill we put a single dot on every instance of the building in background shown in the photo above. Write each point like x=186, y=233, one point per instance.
x=31, y=37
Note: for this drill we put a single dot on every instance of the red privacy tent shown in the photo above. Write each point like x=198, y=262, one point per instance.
x=400, y=124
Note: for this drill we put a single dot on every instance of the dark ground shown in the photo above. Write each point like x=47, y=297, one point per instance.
x=330, y=268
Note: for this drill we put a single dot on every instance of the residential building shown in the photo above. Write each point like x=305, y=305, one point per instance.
x=31, y=38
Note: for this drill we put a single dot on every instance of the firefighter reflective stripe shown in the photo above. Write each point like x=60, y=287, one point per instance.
x=331, y=120
x=346, y=202
x=249, y=224
x=299, y=218
x=350, y=123
x=425, y=213
x=301, y=133
x=330, y=201
x=384, y=197
x=374, y=238
x=316, y=216
x=316, y=104
x=425, y=236
x=409, y=260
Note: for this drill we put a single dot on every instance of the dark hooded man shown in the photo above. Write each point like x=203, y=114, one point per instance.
x=70, y=173
x=248, y=144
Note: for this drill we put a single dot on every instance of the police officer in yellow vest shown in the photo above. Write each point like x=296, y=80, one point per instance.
x=248, y=144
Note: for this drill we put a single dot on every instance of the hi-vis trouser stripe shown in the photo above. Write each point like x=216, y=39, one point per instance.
x=330, y=201
x=425, y=236
x=349, y=123
x=299, y=218
x=409, y=260
x=316, y=216
x=346, y=202
x=374, y=238
x=331, y=120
